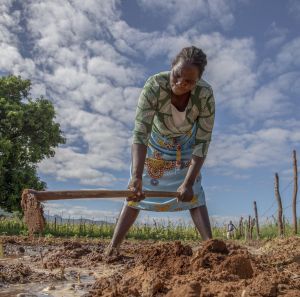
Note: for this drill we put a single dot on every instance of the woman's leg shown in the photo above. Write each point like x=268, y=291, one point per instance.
x=201, y=220
x=126, y=218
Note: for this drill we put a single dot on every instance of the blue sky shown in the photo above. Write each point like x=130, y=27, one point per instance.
x=91, y=58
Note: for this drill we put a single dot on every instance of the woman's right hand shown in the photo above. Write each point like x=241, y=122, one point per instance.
x=136, y=186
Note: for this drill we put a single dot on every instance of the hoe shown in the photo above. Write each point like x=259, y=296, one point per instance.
x=33, y=209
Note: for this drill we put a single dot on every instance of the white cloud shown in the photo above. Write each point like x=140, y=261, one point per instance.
x=276, y=35
x=268, y=100
x=294, y=8
x=10, y=59
x=287, y=59
x=67, y=210
x=289, y=55
x=181, y=14
x=9, y=23
x=230, y=69
x=55, y=24
x=119, y=74
x=290, y=123
x=256, y=149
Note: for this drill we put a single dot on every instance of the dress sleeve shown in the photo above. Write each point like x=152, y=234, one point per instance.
x=145, y=112
x=205, y=123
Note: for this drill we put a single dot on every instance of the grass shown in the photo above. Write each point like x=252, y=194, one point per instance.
x=158, y=231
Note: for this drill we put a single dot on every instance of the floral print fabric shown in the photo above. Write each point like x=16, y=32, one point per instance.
x=170, y=148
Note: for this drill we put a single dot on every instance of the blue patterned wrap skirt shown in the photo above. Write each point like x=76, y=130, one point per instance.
x=165, y=169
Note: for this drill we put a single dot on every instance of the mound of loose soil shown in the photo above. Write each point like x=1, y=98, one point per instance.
x=170, y=258
x=215, y=246
x=238, y=265
x=211, y=255
x=152, y=267
x=215, y=269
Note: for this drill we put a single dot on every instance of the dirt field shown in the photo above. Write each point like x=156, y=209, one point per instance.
x=59, y=267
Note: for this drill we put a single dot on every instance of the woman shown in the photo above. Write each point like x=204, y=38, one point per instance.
x=173, y=127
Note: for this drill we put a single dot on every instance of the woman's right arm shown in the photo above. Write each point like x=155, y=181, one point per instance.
x=145, y=112
x=138, y=155
x=139, y=152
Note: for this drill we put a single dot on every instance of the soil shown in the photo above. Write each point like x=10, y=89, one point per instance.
x=218, y=268
x=33, y=212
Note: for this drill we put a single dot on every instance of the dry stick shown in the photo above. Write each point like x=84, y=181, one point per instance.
x=295, y=191
x=256, y=219
x=277, y=195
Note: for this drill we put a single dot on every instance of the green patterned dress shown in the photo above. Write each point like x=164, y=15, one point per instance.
x=170, y=148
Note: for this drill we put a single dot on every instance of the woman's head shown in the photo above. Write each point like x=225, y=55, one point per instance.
x=187, y=68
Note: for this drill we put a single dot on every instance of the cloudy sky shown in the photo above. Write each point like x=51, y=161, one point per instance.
x=91, y=58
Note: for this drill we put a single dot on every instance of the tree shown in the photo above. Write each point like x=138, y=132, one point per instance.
x=28, y=134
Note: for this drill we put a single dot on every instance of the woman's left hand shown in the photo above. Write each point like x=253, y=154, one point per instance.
x=186, y=193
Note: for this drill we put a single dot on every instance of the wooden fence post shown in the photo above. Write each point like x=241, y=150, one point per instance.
x=295, y=192
x=249, y=228
x=1, y=249
x=256, y=219
x=277, y=195
x=246, y=229
x=241, y=231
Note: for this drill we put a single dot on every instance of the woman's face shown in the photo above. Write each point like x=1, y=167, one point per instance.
x=183, y=77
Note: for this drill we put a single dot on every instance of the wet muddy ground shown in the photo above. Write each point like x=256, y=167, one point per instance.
x=60, y=267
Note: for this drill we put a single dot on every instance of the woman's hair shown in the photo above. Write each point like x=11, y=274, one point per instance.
x=192, y=55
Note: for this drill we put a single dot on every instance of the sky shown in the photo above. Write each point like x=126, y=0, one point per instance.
x=91, y=59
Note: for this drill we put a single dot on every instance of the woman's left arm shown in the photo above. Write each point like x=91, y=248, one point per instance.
x=186, y=188
x=205, y=123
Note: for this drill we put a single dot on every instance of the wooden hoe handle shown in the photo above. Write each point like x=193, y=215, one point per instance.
x=81, y=194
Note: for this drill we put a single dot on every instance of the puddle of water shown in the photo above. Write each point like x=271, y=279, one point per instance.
x=65, y=289
x=73, y=286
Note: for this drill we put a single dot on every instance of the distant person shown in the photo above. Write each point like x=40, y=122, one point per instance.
x=172, y=132
x=230, y=230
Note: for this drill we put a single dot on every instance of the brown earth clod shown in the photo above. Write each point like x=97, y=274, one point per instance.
x=33, y=212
